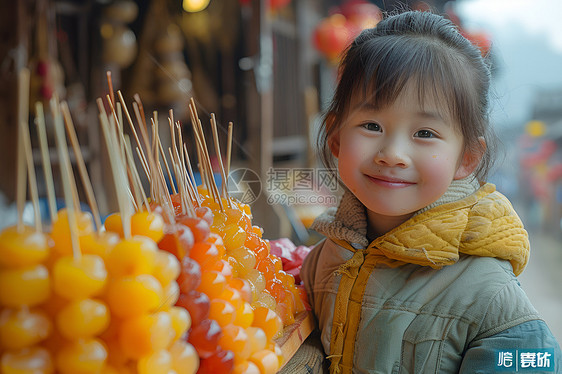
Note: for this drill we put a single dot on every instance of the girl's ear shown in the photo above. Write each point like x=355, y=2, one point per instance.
x=334, y=139
x=470, y=160
x=334, y=144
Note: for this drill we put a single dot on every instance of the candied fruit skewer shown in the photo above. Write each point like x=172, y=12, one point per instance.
x=23, y=110
x=219, y=158
x=166, y=165
x=205, y=159
x=26, y=143
x=67, y=178
x=46, y=160
x=228, y=149
x=81, y=165
x=132, y=126
x=119, y=177
x=191, y=179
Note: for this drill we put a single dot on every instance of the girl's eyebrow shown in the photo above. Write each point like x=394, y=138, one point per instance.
x=426, y=114
x=430, y=115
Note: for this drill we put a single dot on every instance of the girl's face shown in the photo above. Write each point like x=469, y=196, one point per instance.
x=399, y=159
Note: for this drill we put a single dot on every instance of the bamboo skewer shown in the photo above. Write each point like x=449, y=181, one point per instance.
x=160, y=187
x=81, y=165
x=26, y=142
x=23, y=114
x=46, y=161
x=144, y=166
x=219, y=157
x=110, y=86
x=174, y=190
x=181, y=165
x=191, y=177
x=229, y=149
x=67, y=179
x=136, y=184
x=131, y=125
x=200, y=137
x=118, y=176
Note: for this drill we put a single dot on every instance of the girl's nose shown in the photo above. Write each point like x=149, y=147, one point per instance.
x=392, y=154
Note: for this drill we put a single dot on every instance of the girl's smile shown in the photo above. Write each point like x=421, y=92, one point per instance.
x=389, y=182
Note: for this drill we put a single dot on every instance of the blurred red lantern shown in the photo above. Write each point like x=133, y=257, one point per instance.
x=332, y=35
x=278, y=4
x=361, y=15
x=479, y=39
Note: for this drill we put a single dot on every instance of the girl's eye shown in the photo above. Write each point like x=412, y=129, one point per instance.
x=372, y=126
x=424, y=134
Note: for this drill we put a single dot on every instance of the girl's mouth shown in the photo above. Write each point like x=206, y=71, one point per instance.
x=389, y=182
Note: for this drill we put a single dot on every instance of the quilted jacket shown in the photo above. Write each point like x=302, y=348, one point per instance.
x=437, y=294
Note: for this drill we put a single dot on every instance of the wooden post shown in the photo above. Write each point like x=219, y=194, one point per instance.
x=14, y=26
x=260, y=110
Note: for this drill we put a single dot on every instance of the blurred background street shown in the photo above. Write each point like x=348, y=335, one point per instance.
x=270, y=67
x=542, y=280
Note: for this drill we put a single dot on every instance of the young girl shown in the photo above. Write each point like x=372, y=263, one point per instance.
x=418, y=270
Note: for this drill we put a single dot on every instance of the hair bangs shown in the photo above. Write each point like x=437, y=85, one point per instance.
x=404, y=61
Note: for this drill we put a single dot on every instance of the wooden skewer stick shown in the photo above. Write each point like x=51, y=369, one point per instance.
x=198, y=129
x=175, y=160
x=23, y=114
x=194, y=121
x=118, y=176
x=229, y=149
x=31, y=175
x=191, y=176
x=118, y=128
x=67, y=179
x=179, y=179
x=144, y=166
x=144, y=134
x=141, y=119
x=131, y=125
x=208, y=170
x=110, y=86
x=132, y=173
x=181, y=165
x=81, y=165
x=192, y=194
x=174, y=190
x=219, y=157
x=163, y=196
x=46, y=161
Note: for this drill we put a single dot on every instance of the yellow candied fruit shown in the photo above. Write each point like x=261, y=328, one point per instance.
x=79, y=278
x=22, y=328
x=28, y=285
x=36, y=360
x=28, y=247
x=146, y=334
x=132, y=257
x=83, y=318
x=60, y=232
x=133, y=296
x=159, y=362
x=83, y=356
x=181, y=321
x=184, y=358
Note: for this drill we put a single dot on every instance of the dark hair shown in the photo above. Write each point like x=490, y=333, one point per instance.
x=421, y=48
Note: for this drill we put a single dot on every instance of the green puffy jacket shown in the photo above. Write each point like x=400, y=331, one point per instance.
x=438, y=294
